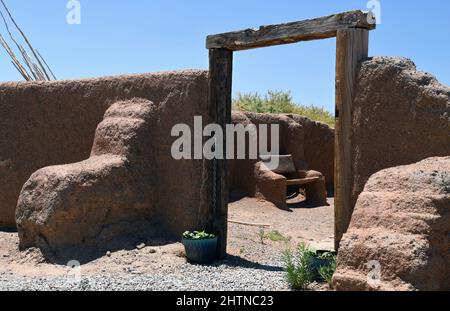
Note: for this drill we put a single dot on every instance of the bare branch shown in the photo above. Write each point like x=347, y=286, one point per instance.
x=38, y=70
x=48, y=67
x=16, y=62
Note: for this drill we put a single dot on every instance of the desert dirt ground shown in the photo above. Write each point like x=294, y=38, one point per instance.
x=303, y=223
x=248, y=245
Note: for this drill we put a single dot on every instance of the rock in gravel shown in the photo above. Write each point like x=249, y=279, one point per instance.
x=398, y=238
x=140, y=246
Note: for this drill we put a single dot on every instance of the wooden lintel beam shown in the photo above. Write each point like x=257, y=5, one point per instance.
x=318, y=28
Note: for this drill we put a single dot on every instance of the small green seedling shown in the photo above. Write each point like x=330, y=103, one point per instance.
x=262, y=235
x=276, y=236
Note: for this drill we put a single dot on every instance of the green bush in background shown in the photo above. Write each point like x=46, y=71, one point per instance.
x=280, y=102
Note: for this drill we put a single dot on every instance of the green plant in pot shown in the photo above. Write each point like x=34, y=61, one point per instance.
x=200, y=246
x=323, y=264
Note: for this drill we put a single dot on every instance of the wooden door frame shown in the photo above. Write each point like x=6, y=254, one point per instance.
x=351, y=30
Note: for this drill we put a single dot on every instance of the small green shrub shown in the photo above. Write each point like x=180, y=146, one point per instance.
x=277, y=236
x=280, y=102
x=198, y=235
x=298, y=266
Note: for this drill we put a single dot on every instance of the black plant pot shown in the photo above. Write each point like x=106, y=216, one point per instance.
x=200, y=251
x=317, y=263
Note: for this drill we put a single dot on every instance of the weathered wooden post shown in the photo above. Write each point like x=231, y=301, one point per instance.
x=352, y=46
x=220, y=77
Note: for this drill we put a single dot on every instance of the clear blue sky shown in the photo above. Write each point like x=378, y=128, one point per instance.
x=117, y=37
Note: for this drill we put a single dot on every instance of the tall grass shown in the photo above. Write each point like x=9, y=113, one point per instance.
x=280, y=102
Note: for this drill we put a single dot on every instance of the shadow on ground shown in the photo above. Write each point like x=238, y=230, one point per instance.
x=86, y=255
x=303, y=204
x=8, y=230
x=239, y=262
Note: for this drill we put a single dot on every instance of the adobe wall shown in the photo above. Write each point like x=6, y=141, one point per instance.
x=400, y=116
x=319, y=146
x=310, y=143
x=50, y=123
x=401, y=222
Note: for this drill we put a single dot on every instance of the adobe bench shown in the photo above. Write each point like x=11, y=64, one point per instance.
x=285, y=181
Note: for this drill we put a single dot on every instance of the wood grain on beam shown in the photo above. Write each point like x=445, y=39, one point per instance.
x=351, y=49
x=318, y=28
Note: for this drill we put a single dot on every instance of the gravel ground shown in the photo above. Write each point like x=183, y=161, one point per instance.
x=250, y=266
x=233, y=273
x=193, y=279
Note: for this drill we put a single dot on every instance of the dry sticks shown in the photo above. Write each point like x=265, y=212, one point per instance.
x=32, y=68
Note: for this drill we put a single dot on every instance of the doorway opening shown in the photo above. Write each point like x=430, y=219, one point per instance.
x=275, y=86
x=351, y=30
